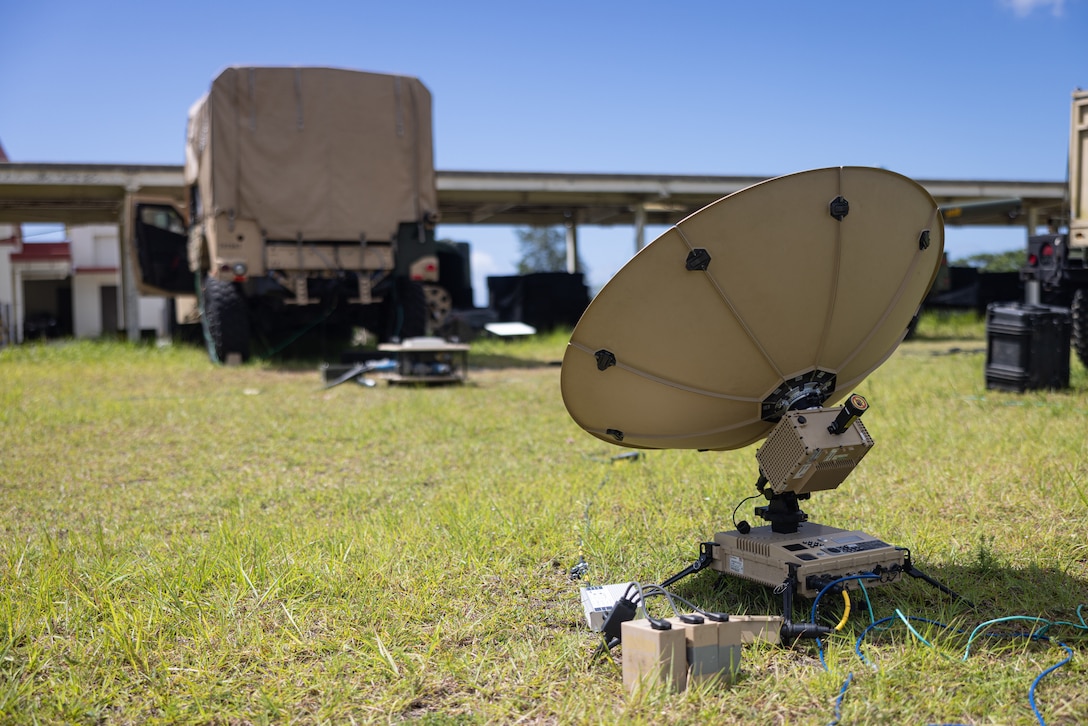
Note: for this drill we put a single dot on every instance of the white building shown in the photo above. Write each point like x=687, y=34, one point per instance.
x=9, y=242
x=68, y=288
x=96, y=287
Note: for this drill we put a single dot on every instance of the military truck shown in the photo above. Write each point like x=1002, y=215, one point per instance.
x=1057, y=263
x=311, y=202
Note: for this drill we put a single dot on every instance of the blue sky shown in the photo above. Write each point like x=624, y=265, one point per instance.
x=956, y=89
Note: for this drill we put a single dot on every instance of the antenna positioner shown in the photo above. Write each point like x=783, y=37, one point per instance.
x=808, y=390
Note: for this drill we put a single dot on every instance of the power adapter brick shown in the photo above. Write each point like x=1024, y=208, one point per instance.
x=598, y=601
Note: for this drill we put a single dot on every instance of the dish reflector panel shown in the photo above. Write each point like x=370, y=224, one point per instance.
x=801, y=284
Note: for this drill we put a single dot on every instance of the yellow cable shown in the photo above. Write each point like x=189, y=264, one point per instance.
x=846, y=611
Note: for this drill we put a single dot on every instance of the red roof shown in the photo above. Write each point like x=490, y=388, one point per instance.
x=43, y=252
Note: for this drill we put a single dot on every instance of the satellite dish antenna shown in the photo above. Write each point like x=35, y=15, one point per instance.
x=742, y=322
x=801, y=284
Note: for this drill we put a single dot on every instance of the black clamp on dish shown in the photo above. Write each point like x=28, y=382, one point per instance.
x=839, y=208
x=698, y=260
x=605, y=359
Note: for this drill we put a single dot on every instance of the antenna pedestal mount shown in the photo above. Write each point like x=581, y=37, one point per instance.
x=783, y=512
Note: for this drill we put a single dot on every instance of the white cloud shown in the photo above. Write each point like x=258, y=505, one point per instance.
x=483, y=265
x=482, y=261
x=1023, y=8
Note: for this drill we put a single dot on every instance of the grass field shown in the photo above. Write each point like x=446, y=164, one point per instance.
x=184, y=543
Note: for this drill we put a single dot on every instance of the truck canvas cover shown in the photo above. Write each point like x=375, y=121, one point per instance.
x=318, y=154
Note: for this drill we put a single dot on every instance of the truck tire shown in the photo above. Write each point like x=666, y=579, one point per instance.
x=439, y=305
x=226, y=320
x=1079, y=310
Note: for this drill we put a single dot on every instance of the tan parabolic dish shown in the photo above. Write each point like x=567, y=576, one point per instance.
x=789, y=289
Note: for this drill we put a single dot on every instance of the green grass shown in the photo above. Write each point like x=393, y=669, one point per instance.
x=951, y=325
x=183, y=543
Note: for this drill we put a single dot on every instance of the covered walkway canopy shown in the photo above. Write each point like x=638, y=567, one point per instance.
x=89, y=193
x=100, y=193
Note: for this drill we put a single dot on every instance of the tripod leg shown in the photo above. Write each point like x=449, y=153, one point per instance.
x=706, y=556
x=790, y=630
x=916, y=573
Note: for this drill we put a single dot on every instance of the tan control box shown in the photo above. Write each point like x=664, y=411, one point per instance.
x=694, y=650
x=653, y=657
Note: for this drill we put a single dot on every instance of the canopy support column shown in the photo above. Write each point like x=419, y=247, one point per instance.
x=1032, y=294
x=572, y=243
x=128, y=271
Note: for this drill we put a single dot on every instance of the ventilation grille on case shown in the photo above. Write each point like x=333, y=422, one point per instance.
x=780, y=454
x=756, y=548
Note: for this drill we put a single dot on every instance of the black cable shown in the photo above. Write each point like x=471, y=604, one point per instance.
x=655, y=623
x=581, y=567
x=741, y=504
x=673, y=598
x=653, y=590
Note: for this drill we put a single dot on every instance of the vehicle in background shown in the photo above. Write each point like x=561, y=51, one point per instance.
x=312, y=202
x=40, y=326
x=1057, y=263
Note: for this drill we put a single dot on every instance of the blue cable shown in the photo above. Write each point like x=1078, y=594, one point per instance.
x=816, y=602
x=828, y=586
x=857, y=645
x=1044, y=674
x=1081, y=626
x=838, y=701
x=995, y=621
x=1032, y=636
x=820, y=648
x=1035, y=635
x=876, y=624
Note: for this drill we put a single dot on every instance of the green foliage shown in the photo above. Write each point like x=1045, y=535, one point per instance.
x=543, y=249
x=963, y=325
x=986, y=562
x=185, y=543
x=1010, y=261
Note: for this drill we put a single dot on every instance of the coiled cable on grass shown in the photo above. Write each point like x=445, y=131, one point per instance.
x=1035, y=635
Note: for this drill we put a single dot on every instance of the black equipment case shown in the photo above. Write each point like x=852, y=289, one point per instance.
x=1027, y=346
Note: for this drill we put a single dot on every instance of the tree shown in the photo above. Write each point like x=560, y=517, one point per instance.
x=1010, y=261
x=543, y=249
